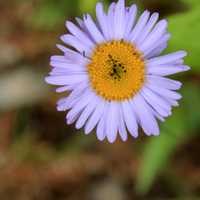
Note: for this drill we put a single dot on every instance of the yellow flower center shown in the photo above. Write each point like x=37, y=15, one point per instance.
x=116, y=70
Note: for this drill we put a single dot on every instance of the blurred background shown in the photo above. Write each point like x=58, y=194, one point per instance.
x=41, y=158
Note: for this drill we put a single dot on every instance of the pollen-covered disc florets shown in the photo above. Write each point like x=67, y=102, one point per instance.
x=116, y=70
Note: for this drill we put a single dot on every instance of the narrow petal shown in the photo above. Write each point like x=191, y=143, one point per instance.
x=69, y=101
x=166, y=59
x=64, y=88
x=66, y=105
x=63, y=72
x=122, y=127
x=119, y=20
x=110, y=18
x=154, y=36
x=172, y=101
x=68, y=66
x=155, y=101
x=84, y=100
x=164, y=82
x=62, y=48
x=77, y=58
x=157, y=115
x=157, y=51
x=102, y=20
x=165, y=92
x=130, y=20
x=66, y=79
x=139, y=26
x=80, y=35
x=74, y=42
x=101, y=127
x=164, y=70
x=112, y=122
x=146, y=118
x=70, y=56
x=72, y=119
x=81, y=23
x=83, y=27
x=93, y=30
x=61, y=59
x=150, y=24
x=159, y=43
x=95, y=117
x=130, y=118
x=89, y=109
x=61, y=103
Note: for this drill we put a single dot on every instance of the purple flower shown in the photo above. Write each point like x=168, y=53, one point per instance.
x=114, y=73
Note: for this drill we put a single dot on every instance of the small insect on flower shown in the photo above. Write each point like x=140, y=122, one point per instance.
x=114, y=73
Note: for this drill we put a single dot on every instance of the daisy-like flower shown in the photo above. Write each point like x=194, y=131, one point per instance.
x=114, y=73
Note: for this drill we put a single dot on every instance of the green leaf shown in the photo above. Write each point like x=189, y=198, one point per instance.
x=185, y=28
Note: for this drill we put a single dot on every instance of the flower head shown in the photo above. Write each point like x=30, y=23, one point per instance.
x=114, y=73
